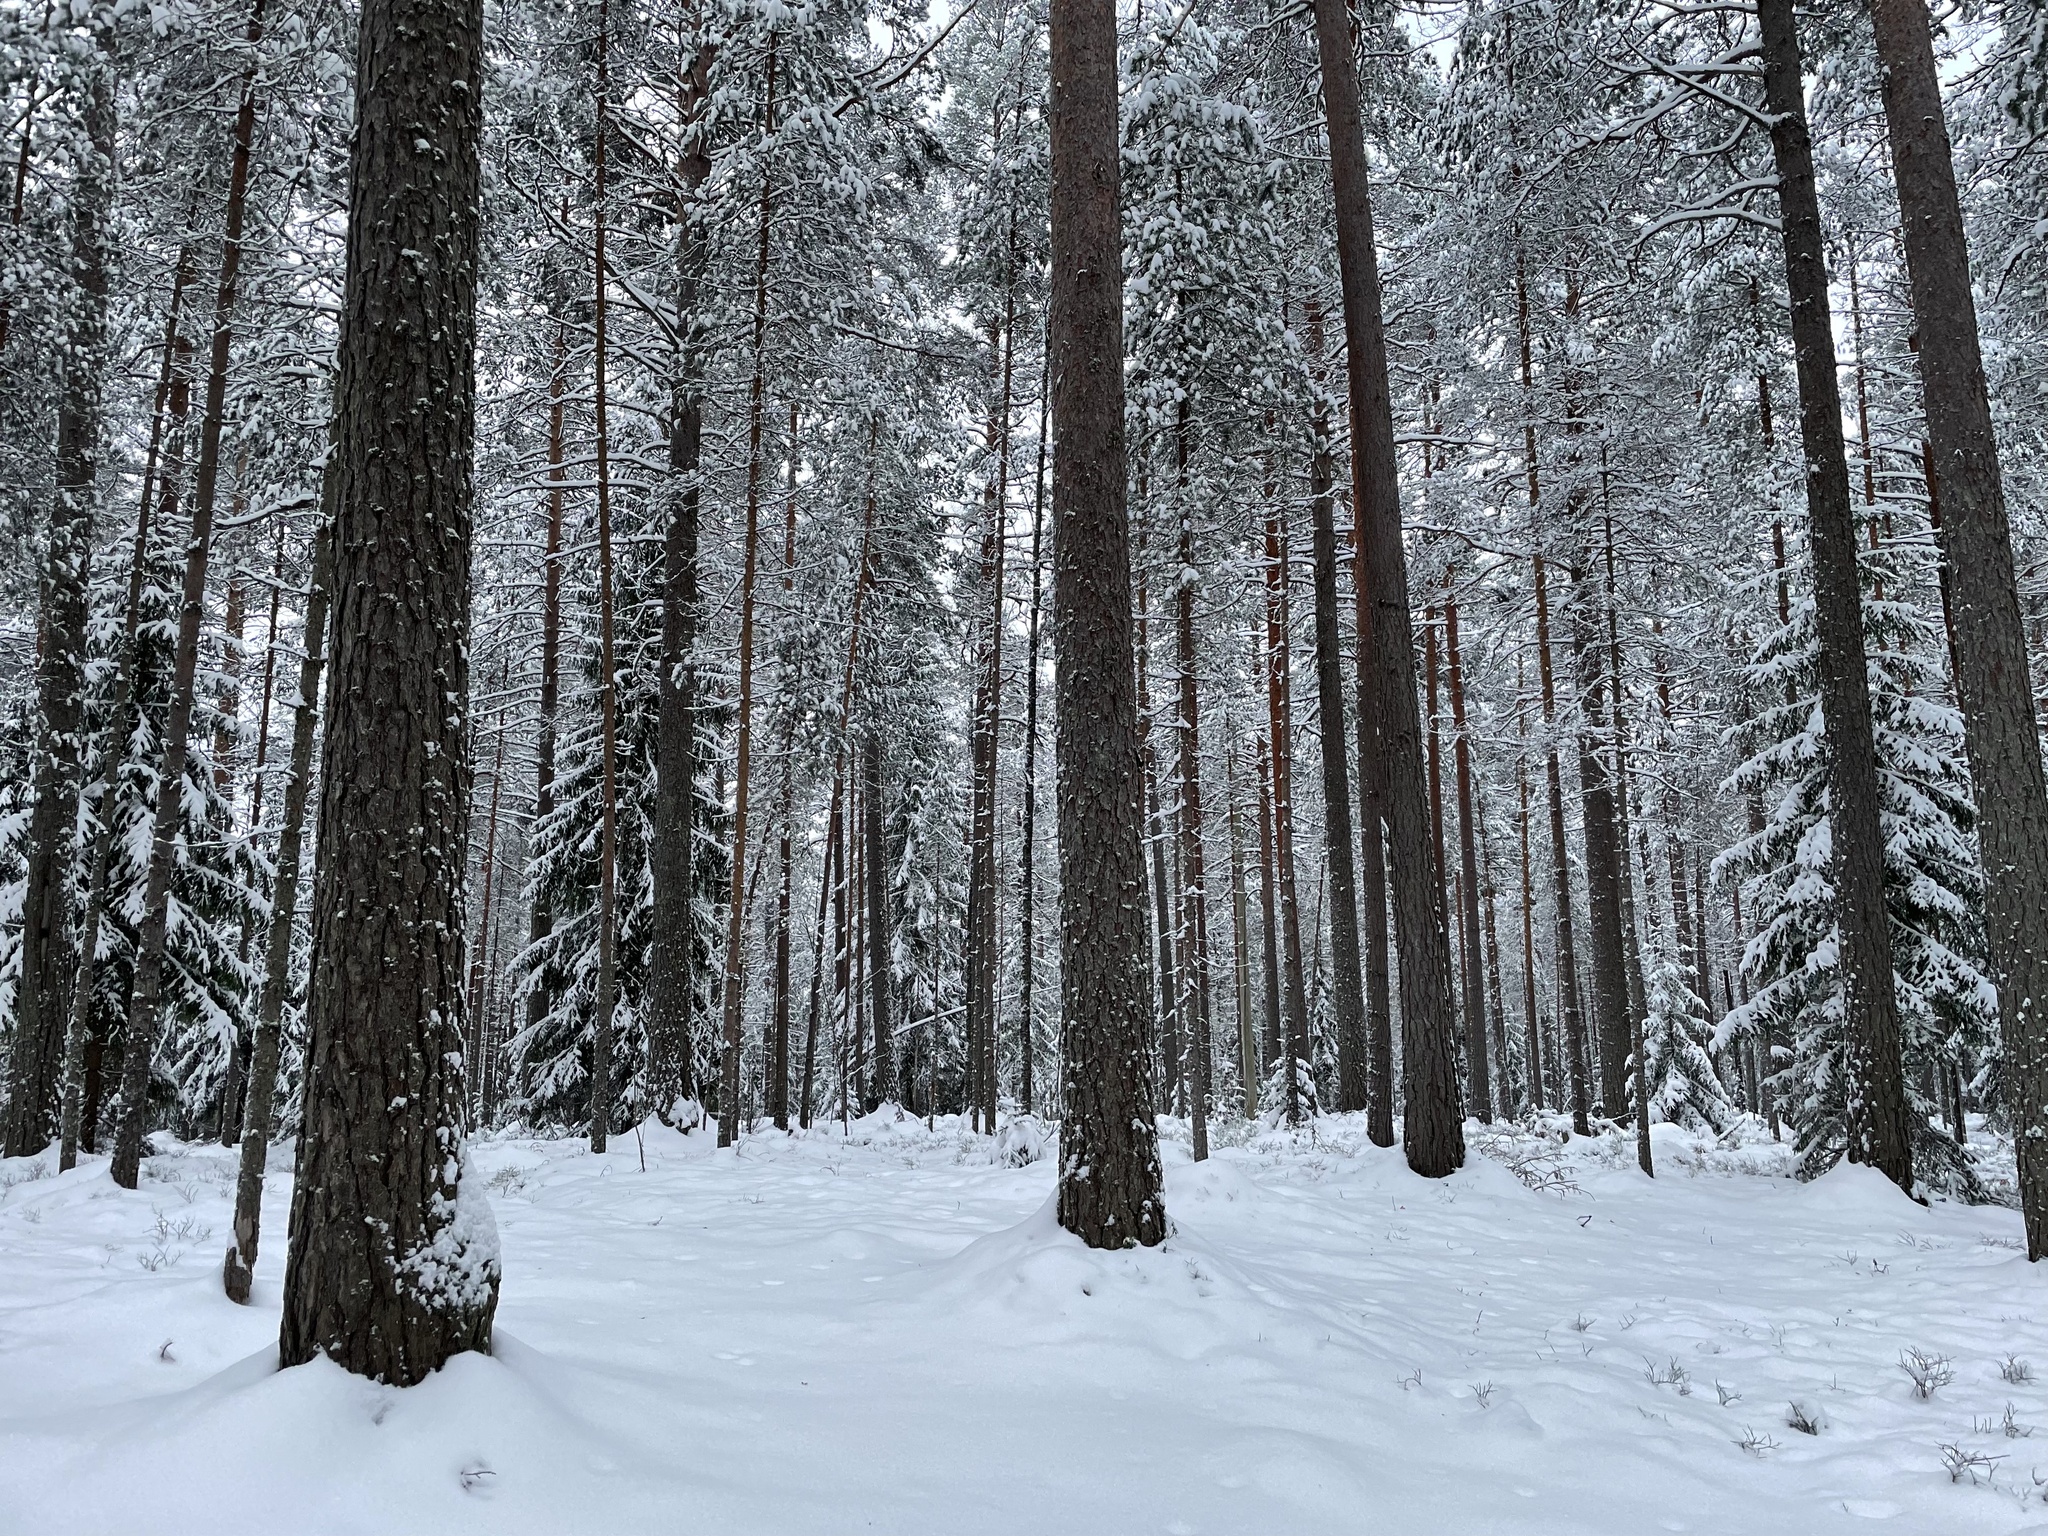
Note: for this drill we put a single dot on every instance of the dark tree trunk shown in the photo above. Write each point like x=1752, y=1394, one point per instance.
x=47, y=962
x=541, y=923
x=608, y=675
x=1280, y=732
x=145, y=995
x=1110, y=1191
x=1572, y=1018
x=1992, y=679
x=1269, y=927
x=1348, y=992
x=1372, y=867
x=1158, y=838
x=1027, y=854
x=1476, y=1053
x=1532, y=1039
x=238, y=1270
x=1194, y=891
x=1603, y=863
x=1240, y=954
x=1432, y=1124
x=671, y=991
x=1877, y=1118
x=170, y=388
x=986, y=736
x=392, y=1267
x=875, y=869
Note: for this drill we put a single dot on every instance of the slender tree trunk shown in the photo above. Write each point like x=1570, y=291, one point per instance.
x=1372, y=868
x=1348, y=991
x=169, y=387
x=1468, y=864
x=1992, y=679
x=392, y=1268
x=47, y=962
x=1240, y=926
x=1166, y=986
x=875, y=867
x=1572, y=1019
x=146, y=992
x=608, y=682
x=1269, y=929
x=478, y=998
x=1194, y=901
x=1280, y=728
x=1027, y=858
x=541, y=922
x=1110, y=1190
x=238, y=1270
x=778, y=1051
x=735, y=933
x=1603, y=865
x=1534, y=1043
x=1877, y=1116
x=982, y=877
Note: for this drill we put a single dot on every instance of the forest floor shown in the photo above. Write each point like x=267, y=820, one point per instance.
x=887, y=1331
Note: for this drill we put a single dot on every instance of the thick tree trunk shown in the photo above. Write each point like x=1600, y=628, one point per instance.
x=1603, y=863
x=1877, y=1117
x=1476, y=1054
x=238, y=1270
x=1110, y=1190
x=671, y=990
x=145, y=995
x=1432, y=1125
x=393, y=1263
x=47, y=963
x=1992, y=679
x=1348, y=991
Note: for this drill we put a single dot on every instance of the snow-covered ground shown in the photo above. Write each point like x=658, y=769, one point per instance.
x=888, y=1332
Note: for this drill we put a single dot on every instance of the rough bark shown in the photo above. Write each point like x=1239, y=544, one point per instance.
x=1989, y=643
x=1877, y=1116
x=47, y=961
x=1110, y=1188
x=1603, y=862
x=1432, y=1125
x=392, y=1264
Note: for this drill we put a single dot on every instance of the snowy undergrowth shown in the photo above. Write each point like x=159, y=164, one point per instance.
x=886, y=1329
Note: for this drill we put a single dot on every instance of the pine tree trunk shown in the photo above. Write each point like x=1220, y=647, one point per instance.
x=735, y=932
x=1348, y=993
x=1240, y=954
x=1027, y=857
x=145, y=995
x=1476, y=1053
x=1603, y=864
x=1572, y=1019
x=47, y=962
x=1194, y=902
x=608, y=680
x=1372, y=867
x=1432, y=1125
x=119, y=732
x=238, y=1270
x=875, y=869
x=1110, y=1190
x=541, y=923
x=1280, y=732
x=1166, y=978
x=1992, y=679
x=1878, y=1111
x=671, y=990
x=392, y=1265
x=1532, y=1037
x=982, y=878
x=1269, y=927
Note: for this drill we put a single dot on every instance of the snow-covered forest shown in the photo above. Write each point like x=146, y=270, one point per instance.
x=1290, y=751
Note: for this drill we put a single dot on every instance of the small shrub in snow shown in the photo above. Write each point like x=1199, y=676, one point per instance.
x=1756, y=1444
x=1728, y=1395
x=2016, y=1370
x=1929, y=1372
x=1963, y=1462
x=1802, y=1418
